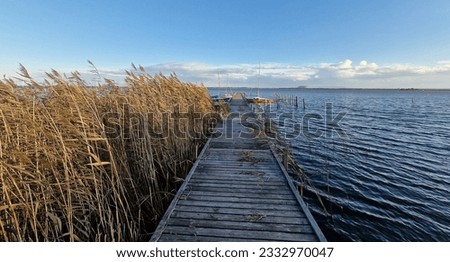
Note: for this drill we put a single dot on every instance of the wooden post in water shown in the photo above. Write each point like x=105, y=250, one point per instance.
x=304, y=106
x=296, y=101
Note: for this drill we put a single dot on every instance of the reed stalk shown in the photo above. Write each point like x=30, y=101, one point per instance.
x=80, y=163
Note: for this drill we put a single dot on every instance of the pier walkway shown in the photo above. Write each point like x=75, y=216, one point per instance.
x=237, y=190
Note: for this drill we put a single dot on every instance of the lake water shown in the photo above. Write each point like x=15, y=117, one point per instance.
x=386, y=175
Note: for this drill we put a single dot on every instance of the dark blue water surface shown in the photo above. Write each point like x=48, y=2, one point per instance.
x=388, y=177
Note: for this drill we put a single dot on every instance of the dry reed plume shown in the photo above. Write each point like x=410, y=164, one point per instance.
x=68, y=173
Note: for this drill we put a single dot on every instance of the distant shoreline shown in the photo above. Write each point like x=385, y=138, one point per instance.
x=329, y=88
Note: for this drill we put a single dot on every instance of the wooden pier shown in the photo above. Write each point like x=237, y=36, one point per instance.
x=237, y=190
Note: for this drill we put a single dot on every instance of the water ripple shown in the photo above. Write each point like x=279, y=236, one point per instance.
x=389, y=179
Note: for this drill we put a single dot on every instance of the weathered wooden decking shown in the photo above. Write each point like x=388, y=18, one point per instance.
x=237, y=190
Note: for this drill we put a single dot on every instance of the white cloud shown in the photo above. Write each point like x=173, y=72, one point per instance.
x=346, y=64
x=343, y=74
x=347, y=73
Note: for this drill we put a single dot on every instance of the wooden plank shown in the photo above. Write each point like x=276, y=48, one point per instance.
x=259, y=186
x=237, y=172
x=238, y=189
x=242, y=218
x=250, y=175
x=205, y=168
x=217, y=152
x=242, y=225
x=224, y=159
x=233, y=150
x=240, y=145
x=241, y=234
x=223, y=172
x=238, y=154
x=238, y=200
x=237, y=168
x=212, y=150
x=239, y=164
x=240, y=159
x=240, y=195
x=255, y=177
x=194, y=238
x=243, y=180
x=238, y=142
x=235, y=160
x=218, y=188
x=281, y=191
x=240, y=167
x=240, y=211
x=222, y=204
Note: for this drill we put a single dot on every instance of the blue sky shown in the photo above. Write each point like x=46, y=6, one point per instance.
x=298, y=42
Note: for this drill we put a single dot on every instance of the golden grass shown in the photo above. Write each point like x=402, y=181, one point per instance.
x=79, y=163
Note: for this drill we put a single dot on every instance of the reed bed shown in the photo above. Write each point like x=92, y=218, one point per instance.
x=81, y=163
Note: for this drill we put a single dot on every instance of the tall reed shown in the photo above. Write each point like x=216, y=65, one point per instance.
x=80, y=163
